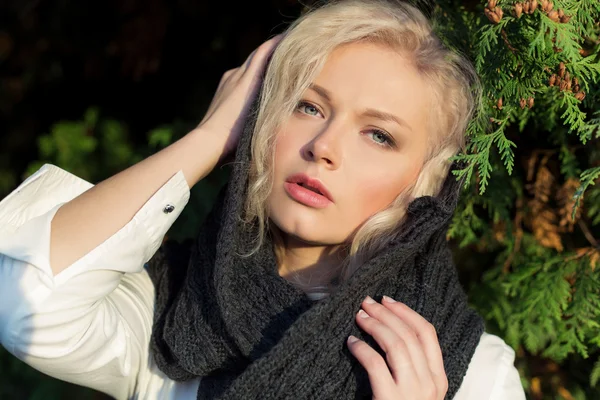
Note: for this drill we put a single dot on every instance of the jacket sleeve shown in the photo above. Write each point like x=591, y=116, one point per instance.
x=91, y=323
x=491, y=374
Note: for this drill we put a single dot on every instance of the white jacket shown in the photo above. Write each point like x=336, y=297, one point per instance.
x=91, y=323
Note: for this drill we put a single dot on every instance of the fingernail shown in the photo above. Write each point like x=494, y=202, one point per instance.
x=363, y=314
x=389, y=299
x=369, y=300
x=352, y=339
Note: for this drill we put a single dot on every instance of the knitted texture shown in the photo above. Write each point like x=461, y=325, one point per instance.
x=250, y=334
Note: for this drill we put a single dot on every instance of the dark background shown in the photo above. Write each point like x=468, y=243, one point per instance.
x=143, y=63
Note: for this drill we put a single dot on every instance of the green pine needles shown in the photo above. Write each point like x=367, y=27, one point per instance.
x=530, y=214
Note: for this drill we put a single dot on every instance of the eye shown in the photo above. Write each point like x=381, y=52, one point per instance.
x=381, y=138
x=304, y=105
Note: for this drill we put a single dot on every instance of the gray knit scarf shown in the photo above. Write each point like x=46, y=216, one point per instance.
x=250, y=334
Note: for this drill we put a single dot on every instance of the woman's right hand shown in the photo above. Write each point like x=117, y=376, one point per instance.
x=230, y=105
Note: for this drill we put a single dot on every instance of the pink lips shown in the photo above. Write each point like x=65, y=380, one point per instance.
x=308, y=191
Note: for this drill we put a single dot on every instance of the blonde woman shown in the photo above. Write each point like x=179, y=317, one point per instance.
x=323, y=271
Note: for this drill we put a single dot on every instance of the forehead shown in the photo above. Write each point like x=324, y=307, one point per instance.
x=368, y=75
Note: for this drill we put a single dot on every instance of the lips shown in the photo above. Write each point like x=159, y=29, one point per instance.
x=311, y=184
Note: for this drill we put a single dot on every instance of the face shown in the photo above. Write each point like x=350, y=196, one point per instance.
x=363, y=158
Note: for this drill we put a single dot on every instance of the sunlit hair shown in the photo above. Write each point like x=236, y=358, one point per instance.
x=297, y=61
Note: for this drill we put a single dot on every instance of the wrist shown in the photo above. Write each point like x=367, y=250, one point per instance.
x=203, y=151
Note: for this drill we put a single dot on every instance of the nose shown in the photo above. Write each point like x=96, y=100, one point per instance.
x=325, y=147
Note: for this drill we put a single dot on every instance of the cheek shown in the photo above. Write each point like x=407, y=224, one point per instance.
x=375, y=190
x=286, y=147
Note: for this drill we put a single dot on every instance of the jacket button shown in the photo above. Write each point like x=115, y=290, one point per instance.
x=168, y=208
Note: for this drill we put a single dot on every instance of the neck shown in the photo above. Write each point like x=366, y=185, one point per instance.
x=306, y=265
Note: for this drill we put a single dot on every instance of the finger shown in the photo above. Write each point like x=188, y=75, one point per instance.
x=426, y=333
x=397, y=352
x=379, y=375
x=406, y=333
x=225, y=78
x=257, y=58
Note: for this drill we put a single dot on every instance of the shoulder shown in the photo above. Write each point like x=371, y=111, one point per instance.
x=491, y=373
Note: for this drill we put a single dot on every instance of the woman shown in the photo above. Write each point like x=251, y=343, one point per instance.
x=341, y=193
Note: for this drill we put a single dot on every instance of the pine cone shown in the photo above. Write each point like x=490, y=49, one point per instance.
x=527, y=7
x=563, y=85
x=565, y=19
x=491, y=4
x=547, y=6
x=580, y=96
x=532, y=6
x=492, y=16
x=499, y=103
x=522, y=103
x=553, y=15
x=518, y=10
x=530, y=102
x=499, y=12
x=552, y=80
x=561, y=69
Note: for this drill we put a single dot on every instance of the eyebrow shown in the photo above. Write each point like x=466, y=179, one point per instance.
x=368, y=112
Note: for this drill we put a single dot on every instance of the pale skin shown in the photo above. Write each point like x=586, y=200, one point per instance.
x=326, y=140
x=365, y=163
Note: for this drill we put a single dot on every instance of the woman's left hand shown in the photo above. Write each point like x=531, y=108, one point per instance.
x=413, y=367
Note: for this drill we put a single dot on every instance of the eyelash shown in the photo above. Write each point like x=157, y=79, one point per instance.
x=389, y=141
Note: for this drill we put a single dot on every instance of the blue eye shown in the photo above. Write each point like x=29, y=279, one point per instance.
x=307, y=105
x=381, y=138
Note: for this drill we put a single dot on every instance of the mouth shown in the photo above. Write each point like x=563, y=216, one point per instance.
x=313, y=189
x=308, y=191
x=312, y=184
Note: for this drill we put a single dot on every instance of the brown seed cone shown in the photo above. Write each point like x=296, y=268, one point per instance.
x=499, y=103
x=491, y=4
x=544, y=5
x=556, y=49
x=563, y=85
x=553, y=15
x=526, y=7
x=567, y=76
x=499, y=12
x=518, y=10
x=565, y=19
x=561, y=69
x=575, y=88
x=568, y=83
x=575, y=81
x=580, y=96
x=550, y=6
x=522, y=103
x=492, y=16
x=561, y=13
x=530, y=102
x=552, y=80
x=532, y=6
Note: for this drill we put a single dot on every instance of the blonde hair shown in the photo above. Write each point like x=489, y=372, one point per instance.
x=297, y=61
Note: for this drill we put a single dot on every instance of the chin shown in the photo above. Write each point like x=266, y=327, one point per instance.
x=301, y=230
x=305, y=224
